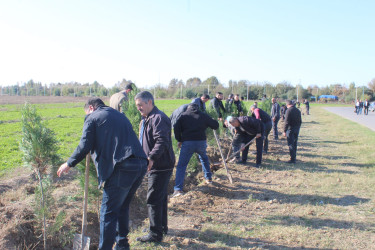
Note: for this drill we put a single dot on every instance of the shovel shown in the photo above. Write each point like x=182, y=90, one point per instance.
x=222, y=157
x=241, y=149
x=80, y=241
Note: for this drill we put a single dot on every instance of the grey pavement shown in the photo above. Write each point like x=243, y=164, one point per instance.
x=348, y=113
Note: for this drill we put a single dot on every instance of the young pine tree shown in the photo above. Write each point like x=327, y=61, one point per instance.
x=39, y=148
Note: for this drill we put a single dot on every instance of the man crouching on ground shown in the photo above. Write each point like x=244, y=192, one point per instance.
x=155, y=138
x=121, y=167
x=190, y=132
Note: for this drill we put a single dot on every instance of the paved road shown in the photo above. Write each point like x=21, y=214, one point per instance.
x=348, y=113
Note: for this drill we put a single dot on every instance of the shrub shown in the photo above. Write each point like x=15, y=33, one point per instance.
x=39, y=146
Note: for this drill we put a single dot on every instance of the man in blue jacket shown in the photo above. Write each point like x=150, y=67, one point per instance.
x=190, y=132
x=120, y=163
x=155, y=138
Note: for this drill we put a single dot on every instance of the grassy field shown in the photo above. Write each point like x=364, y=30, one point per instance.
x=325, y=201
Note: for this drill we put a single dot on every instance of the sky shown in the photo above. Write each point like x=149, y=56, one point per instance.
x=308, y=42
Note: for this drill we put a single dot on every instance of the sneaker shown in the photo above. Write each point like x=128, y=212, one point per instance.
x=148, y=238
x=257, y=165
x=291, y=161
x=208, y=181
x=177, y=193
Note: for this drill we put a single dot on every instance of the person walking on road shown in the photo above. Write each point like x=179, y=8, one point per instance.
x=201, y=102
x=246, y=128
x=292, y=125
x=366, y=106
x=155, y=138
x=190, y=132
x=120, y=166
x=275, y=117
x=117, y=100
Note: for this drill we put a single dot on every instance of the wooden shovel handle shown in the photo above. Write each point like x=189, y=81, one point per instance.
x=86, y=194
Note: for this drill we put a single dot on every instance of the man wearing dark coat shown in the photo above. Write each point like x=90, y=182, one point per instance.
x=292, y=126
x=155, y=138
x=246, y=129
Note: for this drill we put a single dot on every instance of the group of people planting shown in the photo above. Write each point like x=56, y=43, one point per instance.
x=122, y=159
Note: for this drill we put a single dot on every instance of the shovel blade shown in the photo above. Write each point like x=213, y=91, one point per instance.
x=78, y=244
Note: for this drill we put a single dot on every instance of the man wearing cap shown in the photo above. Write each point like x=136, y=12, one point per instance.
x=117, y=100
x=292, y=126
x=201, y=102
x=190, y=132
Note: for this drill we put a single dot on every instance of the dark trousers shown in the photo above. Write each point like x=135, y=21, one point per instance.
x=292, y=138
x=157, y=202
x=118, y=191
x=267, y=130
x=366, y=111
x=240, y=140
x=274, y=128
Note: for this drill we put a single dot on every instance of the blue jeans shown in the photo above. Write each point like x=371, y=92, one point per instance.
x=157, y=202
x=292, y=138
x=118, y=191
x=188, y=148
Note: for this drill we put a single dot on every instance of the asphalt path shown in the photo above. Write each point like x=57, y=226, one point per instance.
x=348, y=113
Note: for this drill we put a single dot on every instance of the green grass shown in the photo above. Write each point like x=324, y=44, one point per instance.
x=65, y=119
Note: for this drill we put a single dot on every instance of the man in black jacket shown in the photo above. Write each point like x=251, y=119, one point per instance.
x=190, y=132
x=201, y=102
x=292, y=126
x=120, y=167
x=238, y=104
x=275, y=116
x=155, y=138
x=217, y=104
x=261, y=115
x=246, y=128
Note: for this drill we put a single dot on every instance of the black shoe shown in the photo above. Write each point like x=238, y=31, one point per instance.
x=257, y=165
x=291, y=161
x=148, y=238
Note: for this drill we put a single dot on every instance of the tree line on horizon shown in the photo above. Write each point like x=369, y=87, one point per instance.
x=194, y=87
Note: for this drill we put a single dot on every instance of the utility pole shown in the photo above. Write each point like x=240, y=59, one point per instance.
x=297, y=93
x=247, y=93
x=356, y=93
x=363, y=93
x=208, y=89
x=181, y=91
